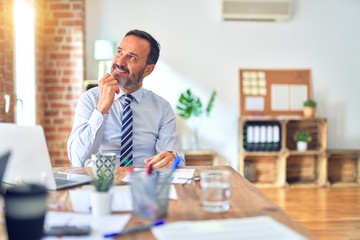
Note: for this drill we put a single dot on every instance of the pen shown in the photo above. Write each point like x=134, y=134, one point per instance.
x=136, y=229
x=149, y=169
x=176, y=163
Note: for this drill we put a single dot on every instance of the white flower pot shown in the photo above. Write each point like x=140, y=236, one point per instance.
x=101, y=203
x=301, y=146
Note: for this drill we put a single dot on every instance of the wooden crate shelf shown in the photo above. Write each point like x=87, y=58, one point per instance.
x=315, y=126
x=200, y=158
x=286, y=166
x=261, y=170
x=344, y=167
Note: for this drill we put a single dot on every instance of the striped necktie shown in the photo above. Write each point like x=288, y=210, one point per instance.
x=126, y=148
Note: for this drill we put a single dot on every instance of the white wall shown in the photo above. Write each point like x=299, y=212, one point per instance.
x=201, y=51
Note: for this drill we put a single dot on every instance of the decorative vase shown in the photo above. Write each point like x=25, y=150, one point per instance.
x=301, y=146
x=101, y=203
x=195, y=140
x=196, y=122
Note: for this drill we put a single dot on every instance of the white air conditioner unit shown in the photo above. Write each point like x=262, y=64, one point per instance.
x=256, y=10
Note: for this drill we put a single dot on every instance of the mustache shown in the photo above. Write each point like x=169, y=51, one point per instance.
x=122, y=68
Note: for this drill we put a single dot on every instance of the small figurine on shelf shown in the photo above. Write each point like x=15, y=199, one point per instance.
x=302, y=138
x=309, y=108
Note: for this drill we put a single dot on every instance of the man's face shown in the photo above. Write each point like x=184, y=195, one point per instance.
x=129, y=64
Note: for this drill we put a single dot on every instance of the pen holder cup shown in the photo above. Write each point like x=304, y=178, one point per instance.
x=25, y=209
x=150, y=193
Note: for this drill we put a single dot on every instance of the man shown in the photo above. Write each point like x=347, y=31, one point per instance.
x=99, y=113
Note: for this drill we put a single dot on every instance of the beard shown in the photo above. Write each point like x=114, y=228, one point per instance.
x=131, y=80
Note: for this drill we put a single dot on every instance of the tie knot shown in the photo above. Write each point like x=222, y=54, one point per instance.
x=126, y=99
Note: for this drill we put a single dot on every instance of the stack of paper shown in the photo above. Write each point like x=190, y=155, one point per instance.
x=255, y=228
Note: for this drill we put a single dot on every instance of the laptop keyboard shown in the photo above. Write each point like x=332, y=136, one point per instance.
x=62, y=181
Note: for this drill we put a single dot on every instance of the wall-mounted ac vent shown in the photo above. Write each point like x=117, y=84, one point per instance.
x=256, y=10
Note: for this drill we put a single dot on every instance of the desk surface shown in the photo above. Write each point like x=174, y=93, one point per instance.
x=246, y=201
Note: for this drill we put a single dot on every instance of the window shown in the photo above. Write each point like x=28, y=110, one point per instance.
x=24, y=61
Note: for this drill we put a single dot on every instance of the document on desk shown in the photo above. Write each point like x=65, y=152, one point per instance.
x=122, y=199
x=180, y=176
x=254, y=228
x=99, y=224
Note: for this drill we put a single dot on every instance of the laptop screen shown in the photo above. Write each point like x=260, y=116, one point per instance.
x=30, y=159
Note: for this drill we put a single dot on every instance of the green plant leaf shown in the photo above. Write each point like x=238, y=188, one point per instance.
x=309, y=103
x=302, y=136
x=188, y=105
x=210, y=103
x=103, y=182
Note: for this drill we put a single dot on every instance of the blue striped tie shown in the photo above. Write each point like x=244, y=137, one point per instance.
x=126, y=148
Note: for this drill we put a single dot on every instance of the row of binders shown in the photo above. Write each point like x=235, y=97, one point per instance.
x=262, y=136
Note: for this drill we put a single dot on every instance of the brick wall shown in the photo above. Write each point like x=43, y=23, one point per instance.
x=60, y=70
x=6, y=60
x=59, y=49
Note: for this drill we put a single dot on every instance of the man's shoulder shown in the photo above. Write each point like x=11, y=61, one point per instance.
x=94, y=91
x=90, y=95
x=150, y=95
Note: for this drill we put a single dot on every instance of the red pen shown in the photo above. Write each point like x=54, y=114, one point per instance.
x=149, y=169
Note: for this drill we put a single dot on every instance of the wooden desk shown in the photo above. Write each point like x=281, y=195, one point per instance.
x=246, y=201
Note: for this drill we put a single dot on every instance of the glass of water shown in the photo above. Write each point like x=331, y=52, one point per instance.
x=216, y=190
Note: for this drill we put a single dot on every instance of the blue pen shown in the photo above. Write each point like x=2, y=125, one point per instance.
x=136, y=229
x=175, y=163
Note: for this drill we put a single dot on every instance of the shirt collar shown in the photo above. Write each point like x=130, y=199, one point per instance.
x=137, y=94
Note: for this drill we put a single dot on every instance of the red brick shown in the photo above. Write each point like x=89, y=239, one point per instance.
x=62, y=15
x=59, y=6
x=59, y=105
x=59, y=55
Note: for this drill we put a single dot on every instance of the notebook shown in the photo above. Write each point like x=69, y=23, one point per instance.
x=30, y=160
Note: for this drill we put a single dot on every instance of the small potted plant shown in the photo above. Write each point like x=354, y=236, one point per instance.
x=101, y=198
x=302, y=138
x=309, y=108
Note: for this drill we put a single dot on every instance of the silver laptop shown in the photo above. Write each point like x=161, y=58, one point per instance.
x=4, y=159
x=30, y=160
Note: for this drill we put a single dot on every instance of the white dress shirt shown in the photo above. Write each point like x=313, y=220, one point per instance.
x=154, y=127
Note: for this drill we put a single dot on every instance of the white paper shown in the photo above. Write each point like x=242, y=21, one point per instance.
x=180, y=176
x=298, y=94
x=280, y=97
x=286, y=97
x=254, y=103
x=99, y=224
x=122, y=199
x=254, y=228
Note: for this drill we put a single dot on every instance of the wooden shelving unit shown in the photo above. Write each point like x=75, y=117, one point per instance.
x=343, y=167
x=286, y=166
x=200, y=158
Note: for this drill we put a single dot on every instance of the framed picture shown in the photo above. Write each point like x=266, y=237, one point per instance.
x=104, y=67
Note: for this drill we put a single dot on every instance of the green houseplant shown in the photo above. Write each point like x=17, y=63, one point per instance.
x=309, y=108
x=190, y=106
x=102, y=182
x=101, y=198
x=302, y=138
